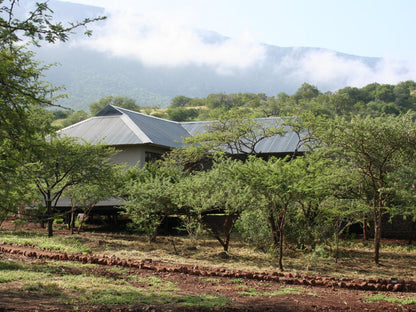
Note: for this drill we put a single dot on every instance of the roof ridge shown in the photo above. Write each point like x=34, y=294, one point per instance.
x=135, y=129
x=120, y=109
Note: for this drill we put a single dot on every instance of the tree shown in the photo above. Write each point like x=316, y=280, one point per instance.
x=181, y=113
x=375, y=149
x=147, y=193
x=235, y=134
x=64, y=162
x=306, y=93
x=16, y=185
x=215, y=191
x=74, y=118
x=277, y=182
x=21, y=90
x=180, y=101
x=88, y=193
x=120, y=101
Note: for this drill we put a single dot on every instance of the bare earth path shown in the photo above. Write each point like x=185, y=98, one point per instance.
x=253, y=292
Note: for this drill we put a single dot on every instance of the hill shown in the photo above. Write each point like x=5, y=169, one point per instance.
x=89, y=74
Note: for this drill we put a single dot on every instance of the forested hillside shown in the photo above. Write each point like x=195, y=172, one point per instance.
x=372, y=100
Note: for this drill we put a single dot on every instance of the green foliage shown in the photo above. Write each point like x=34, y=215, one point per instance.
x=119, y=101
x=234, y=133
x=372, y=150
x=181, y=113
x=253, y=228
x=389, y=298
x=147, y=192
x=65, y=162
x=23, y=121
x=180, y=101
x=74, y=118
x=372, y=100
x=215, y=190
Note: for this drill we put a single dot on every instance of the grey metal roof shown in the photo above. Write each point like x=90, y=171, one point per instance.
x=276, y=144
x=118, y=126
x=110, y=202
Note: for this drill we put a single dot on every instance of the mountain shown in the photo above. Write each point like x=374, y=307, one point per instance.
x=89, y=74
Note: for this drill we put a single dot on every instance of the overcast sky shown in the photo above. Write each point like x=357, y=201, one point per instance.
x=161, y=32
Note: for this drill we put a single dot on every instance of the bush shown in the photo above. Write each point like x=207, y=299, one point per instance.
x=253, y=227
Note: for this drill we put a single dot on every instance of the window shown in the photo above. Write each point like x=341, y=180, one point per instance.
x=150, y=156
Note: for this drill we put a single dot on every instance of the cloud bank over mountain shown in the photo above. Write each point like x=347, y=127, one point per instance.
x=154, y=56
x=160, y=39
x=335, y=71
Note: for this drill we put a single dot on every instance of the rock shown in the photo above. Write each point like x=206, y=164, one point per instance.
x=398, y=287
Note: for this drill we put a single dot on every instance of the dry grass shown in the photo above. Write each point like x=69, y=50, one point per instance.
x=355, y=260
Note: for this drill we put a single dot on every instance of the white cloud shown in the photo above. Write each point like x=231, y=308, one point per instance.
x=331, y=71
x=160, y=39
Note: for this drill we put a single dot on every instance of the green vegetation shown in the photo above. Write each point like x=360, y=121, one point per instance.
x=391, y=298
x=285, y=291
x=73, y=283
x=371, y=100
x=354, y=163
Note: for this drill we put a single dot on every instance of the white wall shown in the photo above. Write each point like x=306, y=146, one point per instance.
x=131, y=154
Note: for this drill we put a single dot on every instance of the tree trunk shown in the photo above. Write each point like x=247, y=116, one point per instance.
x=274, y=231
x=365, y=235
x=50, y=226
x=377, y=237
x=72, y=220
x=337, y=242
x=50, y=218
x=281, y=250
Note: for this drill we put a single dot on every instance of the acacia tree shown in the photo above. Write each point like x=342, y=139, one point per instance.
x=375, y=148
x=22, y=91
x=215, y=191
x=277, y=181
x=88, y=193
x=147, y=193
x=235, y=133
x=65, y=162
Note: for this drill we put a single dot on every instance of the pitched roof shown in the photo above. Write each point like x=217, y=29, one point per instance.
x=118, y=126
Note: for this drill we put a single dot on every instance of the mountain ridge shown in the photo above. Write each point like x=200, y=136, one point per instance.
x=89, y=74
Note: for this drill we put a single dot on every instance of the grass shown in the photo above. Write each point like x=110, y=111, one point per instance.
x=284, y=291
x=66, y=243
x=76, y=283
x=55, y=279
x=391, y=298
x=356, y=256
x=209, y=279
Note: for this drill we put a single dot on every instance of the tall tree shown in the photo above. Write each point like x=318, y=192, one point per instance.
x=236, y=134
x=375, y=149
x=148, y=195
x=277, y=181
x=21, y=87
x=65, y=162
x=212, y=192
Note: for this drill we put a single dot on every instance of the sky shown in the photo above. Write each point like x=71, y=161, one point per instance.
x=162, y=32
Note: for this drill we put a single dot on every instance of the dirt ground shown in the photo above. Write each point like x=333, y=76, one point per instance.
x=325, y=297
x=315, y=294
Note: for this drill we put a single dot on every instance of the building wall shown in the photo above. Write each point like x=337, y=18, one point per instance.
x=131, y=154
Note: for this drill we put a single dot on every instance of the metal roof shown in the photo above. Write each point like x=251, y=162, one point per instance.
x=118, y=126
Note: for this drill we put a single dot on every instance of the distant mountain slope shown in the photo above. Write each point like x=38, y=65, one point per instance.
x=89, y=75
